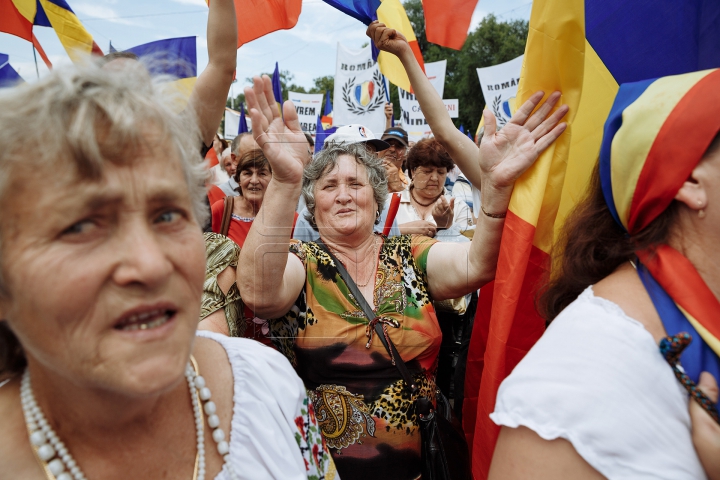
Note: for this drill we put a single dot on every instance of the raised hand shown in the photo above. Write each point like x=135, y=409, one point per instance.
x=282, y=141
x=506, y=154
x=444, y=212
x=387, y=39
x=705, y=431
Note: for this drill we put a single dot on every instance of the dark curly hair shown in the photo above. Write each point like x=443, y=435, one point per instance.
x=428, y=152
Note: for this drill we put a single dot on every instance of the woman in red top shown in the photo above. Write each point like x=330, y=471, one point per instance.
x=253, y=175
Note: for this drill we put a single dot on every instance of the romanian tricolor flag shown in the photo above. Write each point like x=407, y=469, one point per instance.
x=174, y=57
x=327, y=120
x=8, y=76
x=256, y=18
x=277, y=87
x=585, y=49
x=448, y=21
x=18, y=17
x=393, y=15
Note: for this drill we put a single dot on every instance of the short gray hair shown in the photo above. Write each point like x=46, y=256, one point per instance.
x=325, y=160
x=92, y=116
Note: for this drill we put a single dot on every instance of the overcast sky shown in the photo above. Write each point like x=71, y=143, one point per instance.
x=308, y=50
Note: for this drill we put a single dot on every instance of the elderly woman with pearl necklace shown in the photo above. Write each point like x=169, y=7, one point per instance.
x=103, y=374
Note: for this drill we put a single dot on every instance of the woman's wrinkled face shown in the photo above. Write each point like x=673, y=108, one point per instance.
x=344, y=199
x=429, y=181
x=105, y=277
x=254, y=182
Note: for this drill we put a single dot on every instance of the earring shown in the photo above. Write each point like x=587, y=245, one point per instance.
x=313, y=220
x=377, y=215
x=701, y=213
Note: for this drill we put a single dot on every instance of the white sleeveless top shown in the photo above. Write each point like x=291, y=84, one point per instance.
x=269, y=400
x=597, y=379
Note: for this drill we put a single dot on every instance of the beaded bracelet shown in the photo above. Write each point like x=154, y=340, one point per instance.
x=493, y=215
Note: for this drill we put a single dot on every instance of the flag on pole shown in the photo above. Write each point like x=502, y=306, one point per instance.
x=242, y=124
x=593, y=51
x=111, y=49
x=321, y=134
x=393, y=15
x=327, y=119
x=277, y=87
x=448, y=21
x=363, y=10
x=8, y=76
x=18, y=17
x=256, y=18
x=387, y=97
x=175, y=57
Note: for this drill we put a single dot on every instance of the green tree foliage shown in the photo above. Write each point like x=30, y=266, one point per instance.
x=320, y=85
x=491, y=43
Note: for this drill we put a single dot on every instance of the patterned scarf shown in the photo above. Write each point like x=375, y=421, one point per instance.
x=657, y=132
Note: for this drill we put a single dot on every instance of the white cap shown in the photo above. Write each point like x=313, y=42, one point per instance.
x=356, y=133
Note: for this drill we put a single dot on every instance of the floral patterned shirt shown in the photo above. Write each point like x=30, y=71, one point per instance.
x=364, y=413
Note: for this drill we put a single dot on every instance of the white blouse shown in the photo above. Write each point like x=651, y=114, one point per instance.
x=597, y=379
x=269, y=401
x=462, y=218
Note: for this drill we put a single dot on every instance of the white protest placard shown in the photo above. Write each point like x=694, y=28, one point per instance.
x=412, y=117
x=308, y=107
x=232, y=122
x=435, y=72
x=359, y=90
x=499, y=85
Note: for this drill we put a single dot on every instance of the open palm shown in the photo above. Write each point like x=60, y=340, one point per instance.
x=281, y=139
x=507, y=153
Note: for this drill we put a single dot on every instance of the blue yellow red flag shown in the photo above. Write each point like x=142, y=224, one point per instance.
x=277, y=87
x=363, y=10
x=18, y=17
x=593, y=45
x=242, y=124
x=448, y=21
x=174, y=57
x=8, y=76
x=321, y=133
x=256, y=18
x=327, y=120
x=393, y=15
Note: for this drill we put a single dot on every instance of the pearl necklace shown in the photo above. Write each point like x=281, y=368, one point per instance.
x=57, y=462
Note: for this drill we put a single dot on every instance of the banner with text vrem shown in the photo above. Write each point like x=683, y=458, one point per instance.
x=308, y=106
x=499, y=85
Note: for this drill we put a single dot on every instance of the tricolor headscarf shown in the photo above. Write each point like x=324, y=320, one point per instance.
x=656, y=134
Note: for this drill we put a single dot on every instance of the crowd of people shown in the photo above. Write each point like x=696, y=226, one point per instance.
x=280, y=314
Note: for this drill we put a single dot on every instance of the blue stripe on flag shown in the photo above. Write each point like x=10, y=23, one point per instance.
x=174, y=56
x=363, y=10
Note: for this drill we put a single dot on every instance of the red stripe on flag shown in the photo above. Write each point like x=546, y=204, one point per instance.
x=447, y=21
x=697, y=117
x=96, y=50
x=258, y=18
x=503, y=333
x=681, y=280
x=12, y=22
x=41, y=52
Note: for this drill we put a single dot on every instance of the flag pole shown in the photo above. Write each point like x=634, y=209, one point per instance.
x=37, y=70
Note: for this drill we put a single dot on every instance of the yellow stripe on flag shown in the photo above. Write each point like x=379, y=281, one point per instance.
x=559, y=35
x=27, y=8
x=598, y=93
x=73, y=36
x=393, y=15
x=710, y=339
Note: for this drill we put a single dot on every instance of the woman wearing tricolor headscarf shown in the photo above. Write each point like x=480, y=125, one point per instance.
x=615, y=388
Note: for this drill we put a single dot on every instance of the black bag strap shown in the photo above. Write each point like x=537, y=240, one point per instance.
x=380, y=333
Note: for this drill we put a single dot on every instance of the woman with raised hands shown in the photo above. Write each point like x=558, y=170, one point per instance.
x=364, y=411
x=102, y=372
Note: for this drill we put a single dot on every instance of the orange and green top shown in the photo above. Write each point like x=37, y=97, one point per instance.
x=365, y=414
